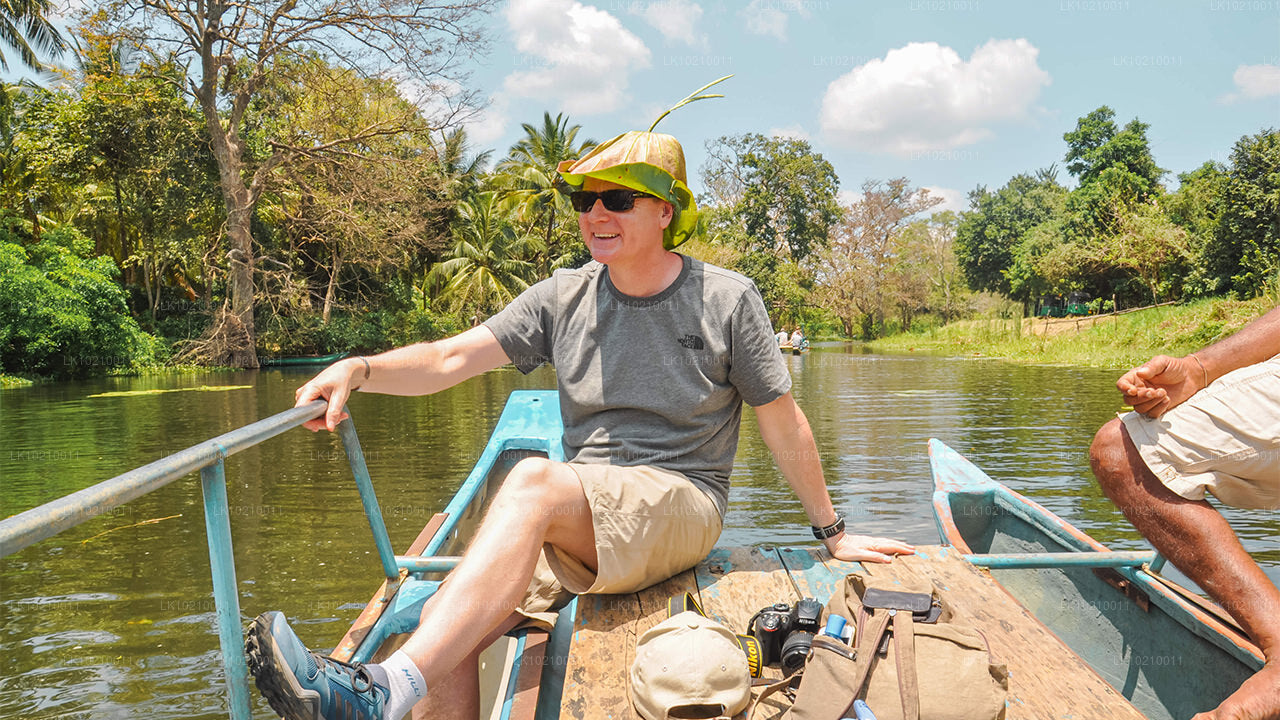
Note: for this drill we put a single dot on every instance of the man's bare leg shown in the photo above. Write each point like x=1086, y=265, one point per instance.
x=1197, y=539
x=457, y=697
x=540, y=502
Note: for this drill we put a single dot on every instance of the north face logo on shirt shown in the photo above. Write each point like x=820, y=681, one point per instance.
x=692, y=342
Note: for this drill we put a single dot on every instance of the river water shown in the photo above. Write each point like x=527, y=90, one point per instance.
x=115, y=619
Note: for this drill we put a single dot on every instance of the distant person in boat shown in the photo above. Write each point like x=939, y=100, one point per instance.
x=1209, y=421
x=655, y=353
x=782, y=336
x=798, y=340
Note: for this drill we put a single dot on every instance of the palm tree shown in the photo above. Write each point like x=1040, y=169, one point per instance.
x=23, y=24
x=486, y=268
x=459, y=175
x=530, y=170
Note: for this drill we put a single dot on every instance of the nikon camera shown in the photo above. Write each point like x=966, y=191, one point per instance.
x=785, y=632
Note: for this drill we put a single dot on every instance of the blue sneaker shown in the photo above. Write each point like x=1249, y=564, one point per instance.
x=302, y=685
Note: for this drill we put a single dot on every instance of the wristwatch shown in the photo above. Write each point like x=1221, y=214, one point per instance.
x=831, y=530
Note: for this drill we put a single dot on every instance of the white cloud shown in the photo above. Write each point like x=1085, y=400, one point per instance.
x=791, y=132
x=583, y=56
x=925, y=97
x=952, y=200
x=675, y=19
x=487, y=126
x=1254, y=81
x=764, y=18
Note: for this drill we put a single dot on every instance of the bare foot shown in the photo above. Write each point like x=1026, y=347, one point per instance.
x=1257, y=699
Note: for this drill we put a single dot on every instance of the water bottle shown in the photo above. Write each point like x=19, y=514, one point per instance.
x=835, y=627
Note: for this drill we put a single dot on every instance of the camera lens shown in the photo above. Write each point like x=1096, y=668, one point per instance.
x=794, y=651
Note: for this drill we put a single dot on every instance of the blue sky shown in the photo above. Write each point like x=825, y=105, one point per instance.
x=949, y=93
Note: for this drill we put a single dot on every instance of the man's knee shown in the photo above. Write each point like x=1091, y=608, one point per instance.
x=1109, y=455
x=538, y=483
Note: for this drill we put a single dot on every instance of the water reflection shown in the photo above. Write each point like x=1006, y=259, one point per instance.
x=114, y=619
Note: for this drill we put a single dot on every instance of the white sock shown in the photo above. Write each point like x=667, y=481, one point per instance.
x=406, y=685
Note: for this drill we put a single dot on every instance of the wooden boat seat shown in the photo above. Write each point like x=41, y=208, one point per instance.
x=1047, y=680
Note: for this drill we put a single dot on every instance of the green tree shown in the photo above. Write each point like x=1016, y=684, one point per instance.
x=150, y=183
x=1146, y=244
x=1116, y=172
x=23, y=25
x=487, y=266
x=61, y=311
x=925, y=275
x=235, y=51
x=854, y=273
x=1195, y=208
x=781, y=195
x=531, y=186
x=989, y=233
x=1244, y=254
x=350, y=222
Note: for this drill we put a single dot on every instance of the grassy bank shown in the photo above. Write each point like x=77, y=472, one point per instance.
x=1119, y=341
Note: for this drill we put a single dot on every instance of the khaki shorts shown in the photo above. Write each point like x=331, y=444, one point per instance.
x=1225, y=439
x=650, y=524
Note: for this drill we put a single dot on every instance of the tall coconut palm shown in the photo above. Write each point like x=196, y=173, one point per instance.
x=487, y=266
x=530, y=174
x=22, y=25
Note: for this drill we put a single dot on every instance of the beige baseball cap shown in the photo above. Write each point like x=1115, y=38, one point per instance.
x=689, y=666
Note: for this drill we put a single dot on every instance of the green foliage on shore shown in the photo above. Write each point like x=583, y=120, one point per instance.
x=372, y=225
x=1117, y=341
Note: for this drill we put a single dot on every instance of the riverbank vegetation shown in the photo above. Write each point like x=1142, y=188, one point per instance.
x=1120, y=340
x=172, y=203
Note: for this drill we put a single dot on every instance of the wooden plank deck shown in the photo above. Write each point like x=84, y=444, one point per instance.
x=1046, y=679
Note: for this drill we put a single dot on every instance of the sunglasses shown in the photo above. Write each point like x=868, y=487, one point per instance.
x=614, y=200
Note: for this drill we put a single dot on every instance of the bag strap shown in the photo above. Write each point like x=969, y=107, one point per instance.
x=770, y=690
x=904, y=638
x=871, y=629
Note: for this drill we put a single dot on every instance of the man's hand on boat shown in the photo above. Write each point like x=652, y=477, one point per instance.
x=334, y=384
x=1160, y=384
x=864, y=548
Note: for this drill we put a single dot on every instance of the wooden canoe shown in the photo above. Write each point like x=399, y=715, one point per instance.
x=579, y=670
x=1169, y=651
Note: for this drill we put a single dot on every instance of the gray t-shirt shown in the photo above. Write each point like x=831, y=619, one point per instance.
x=658, y=380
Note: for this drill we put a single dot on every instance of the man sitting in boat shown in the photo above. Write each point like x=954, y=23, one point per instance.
x=1209, y=421
x=798, y=340
x=655, y=353
x=782, y=336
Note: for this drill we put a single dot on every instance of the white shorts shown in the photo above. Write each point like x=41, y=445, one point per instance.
x=1225, y=439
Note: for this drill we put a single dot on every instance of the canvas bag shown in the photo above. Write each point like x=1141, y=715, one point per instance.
x=931, y=671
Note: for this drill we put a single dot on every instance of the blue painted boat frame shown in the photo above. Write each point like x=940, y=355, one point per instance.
x=955, y=477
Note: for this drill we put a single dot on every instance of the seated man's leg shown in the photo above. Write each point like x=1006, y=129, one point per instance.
x=648, y=524
x=457, y=697
x=540, y=502
x=1198, y=540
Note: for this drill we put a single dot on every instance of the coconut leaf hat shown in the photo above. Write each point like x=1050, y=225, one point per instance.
x=649, y=162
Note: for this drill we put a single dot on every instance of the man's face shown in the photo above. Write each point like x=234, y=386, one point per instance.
x=623, y=236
